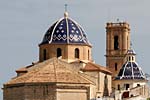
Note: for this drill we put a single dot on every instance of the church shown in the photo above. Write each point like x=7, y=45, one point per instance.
x=66, y=70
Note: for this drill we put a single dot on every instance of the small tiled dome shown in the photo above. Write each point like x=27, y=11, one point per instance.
x=131, y=70
x=65, y=31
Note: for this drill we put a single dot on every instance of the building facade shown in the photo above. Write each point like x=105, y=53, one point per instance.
x=66, y=70
x=128, y=79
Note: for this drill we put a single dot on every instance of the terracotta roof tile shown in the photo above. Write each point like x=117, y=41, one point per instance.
x=53, y=70
x=25, y=69
x=95, y=67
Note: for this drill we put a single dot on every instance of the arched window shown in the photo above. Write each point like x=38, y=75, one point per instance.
x=88, y=54
x=116, y=65
x=116, y=43
x=127, y=86
x=129, y=58
x=132, y=58
x=76, y=53
x=59, y=52
x=44, y=54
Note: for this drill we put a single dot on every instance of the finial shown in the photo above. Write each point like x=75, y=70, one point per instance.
x=66, y=13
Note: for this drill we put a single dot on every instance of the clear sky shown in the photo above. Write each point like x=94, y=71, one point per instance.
x=24, y=22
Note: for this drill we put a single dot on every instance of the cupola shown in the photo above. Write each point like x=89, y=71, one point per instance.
x=131, y=55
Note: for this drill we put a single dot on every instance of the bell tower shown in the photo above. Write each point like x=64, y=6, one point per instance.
x=117, y=45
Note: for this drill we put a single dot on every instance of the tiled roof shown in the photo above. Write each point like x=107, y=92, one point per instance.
x=53, y=70
x=65, y=31
x=131, y=70
x=95, y=67
x=23, y=69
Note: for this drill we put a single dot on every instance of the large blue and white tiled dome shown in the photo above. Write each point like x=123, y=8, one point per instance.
x=65, y=31
x=130, y=69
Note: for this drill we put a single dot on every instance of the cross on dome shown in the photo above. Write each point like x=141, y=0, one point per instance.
x=66, y=5
x=66, y=13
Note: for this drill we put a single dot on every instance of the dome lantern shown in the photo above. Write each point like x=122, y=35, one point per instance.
x=131, y=55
